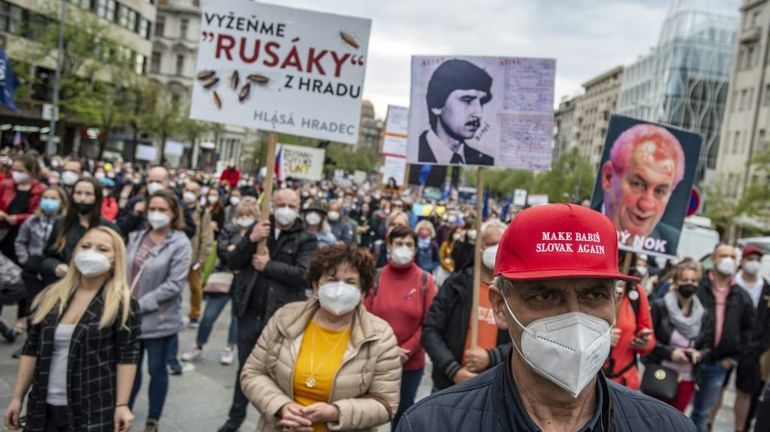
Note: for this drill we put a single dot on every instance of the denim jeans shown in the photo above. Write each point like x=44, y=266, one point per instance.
x=410, y=382
x=710, y=380
x=215, y=303
x=249, y=329
x=173, y=352
x=157, y=354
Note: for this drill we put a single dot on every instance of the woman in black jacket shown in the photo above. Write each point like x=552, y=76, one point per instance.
x=679, y=318
x=445, y=332
x=81, y=353
x=84, y=212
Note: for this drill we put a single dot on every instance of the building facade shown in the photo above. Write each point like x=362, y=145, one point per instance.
x=128, y=22
x=683, y=81
x=370, y=130
x=592, y=113
x=747, y=120
x=563, y=124
x=172, y=64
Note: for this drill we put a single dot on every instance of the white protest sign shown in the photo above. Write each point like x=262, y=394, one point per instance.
x=301, y=162
x=393, y=168
x=520, y=197
x=394, y=145
x=397, y=121
x=146, y=153
x=536, y=200
x=485, y=111
x=174, y=148
x=281, y=69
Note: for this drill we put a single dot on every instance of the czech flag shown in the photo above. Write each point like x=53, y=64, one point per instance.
x=279, y=174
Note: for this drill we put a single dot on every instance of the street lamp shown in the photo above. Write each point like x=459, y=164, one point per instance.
x=51, y=146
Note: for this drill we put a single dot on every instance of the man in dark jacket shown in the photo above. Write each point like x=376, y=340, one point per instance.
x=267, y=282
x=131, y=217
x=728, y=335
x=445, y=333
x=556, y=270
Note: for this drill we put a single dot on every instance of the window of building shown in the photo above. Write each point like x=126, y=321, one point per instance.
x=734, y=100
x=754, y=21
x=750, y=56
x=761, y=143
x=175, y=99
x=131, y=23
x=155, y=62
x=183, y=28
x=736, y=142
x=160, y=25
x=122, y=16
x=144, y=25
x=766, y=101
x=179, y=64
x=140, y=64
x=15, y=20
x=744, y=93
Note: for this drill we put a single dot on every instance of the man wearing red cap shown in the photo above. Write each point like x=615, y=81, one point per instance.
x=556, y=271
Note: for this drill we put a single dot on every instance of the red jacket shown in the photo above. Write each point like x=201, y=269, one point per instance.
x=400, y=301
x=8, y=193
x=622, y=355
x=230, y=175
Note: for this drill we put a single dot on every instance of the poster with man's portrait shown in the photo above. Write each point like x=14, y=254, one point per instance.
x=483, y=111
x=644, y=183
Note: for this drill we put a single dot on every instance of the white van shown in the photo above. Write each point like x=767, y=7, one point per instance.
x=698, y=240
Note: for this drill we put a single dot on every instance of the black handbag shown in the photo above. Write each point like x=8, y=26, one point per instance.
x=660, y=382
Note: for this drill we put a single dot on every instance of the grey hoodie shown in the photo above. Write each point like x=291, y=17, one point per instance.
x=160, y=282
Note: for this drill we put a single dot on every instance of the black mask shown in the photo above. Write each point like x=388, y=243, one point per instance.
x=687, y=290
x=84, y=208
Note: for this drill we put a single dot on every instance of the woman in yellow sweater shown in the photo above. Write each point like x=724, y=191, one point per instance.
x=327, y=363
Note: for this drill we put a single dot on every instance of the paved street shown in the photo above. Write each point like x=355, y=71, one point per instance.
x=200, y=398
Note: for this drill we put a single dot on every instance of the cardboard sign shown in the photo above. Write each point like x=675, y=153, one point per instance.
x=486, y=111
x=299, y=162
x=281, y=69
x=644, y=183
x=393, y=153
x=520, y=197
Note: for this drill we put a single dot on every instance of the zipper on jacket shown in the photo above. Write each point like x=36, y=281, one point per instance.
x=346, y=359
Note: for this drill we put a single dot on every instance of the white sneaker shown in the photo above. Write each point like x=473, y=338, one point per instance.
x=226, y=358
x=192, y=355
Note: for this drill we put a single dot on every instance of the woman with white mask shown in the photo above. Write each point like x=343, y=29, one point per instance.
x=158, y=265
x=326, y=363
x=245, y=215
x=402, y=295
x=314, y=215
x=81, y=353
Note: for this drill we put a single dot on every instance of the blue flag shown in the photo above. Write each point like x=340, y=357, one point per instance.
x=8, y=82
x=424, y=172
x=485, y=209
x=506, y=209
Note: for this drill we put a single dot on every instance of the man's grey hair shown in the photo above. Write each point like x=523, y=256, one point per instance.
x=493, y=223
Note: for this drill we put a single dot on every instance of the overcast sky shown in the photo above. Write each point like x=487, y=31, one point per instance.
x=586, y=37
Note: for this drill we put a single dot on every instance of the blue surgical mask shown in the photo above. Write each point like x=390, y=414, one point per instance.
x=50, y=205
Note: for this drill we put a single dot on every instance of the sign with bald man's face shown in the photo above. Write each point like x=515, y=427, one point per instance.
x=644, y=182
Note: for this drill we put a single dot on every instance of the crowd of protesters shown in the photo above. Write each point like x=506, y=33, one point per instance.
x=335, y=299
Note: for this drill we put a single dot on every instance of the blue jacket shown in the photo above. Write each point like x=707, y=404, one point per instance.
x=490, y=402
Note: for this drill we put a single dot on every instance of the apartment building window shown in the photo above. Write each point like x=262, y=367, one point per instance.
x=179, y=64
x=122, y=15
x=131, y=22
x=106, y=9
x=734, y=100
x=183, y=28
x=155, y=62
x=744, y=93
x=160, y=25
x=754, y=21
x=761, y=143
x=140, y=64
x=11, y=18
x=750, y=56
x=736, y=142
x=144, y=27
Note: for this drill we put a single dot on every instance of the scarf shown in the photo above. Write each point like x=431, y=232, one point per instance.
x=689, y=326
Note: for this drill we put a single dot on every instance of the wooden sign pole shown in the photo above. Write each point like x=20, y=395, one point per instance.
x=477, y=259
x=267, y=188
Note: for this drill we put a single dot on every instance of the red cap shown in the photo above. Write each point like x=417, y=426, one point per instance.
x=559, y=241
x=751, y=249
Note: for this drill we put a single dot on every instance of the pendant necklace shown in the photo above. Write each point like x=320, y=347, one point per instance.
x=311, y=382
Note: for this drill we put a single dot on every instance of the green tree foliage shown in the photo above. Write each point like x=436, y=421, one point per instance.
x=570, y=179
x=754, y=202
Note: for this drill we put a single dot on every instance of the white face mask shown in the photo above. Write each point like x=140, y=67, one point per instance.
x=69, y=177
x=91, y=263
x=752, y=267
x=20, y=177
x=568, y=349
x=339, y=298
x=153, y=187
x=727, y=266
x=213, y=199
x=285, y=215
x=234, y=201
x=245, y=222
x=313, y=218
x=189, y=197
x=488, y=257
x=402, y=255
x=158, y=220
x=642, y=270
x=472, y=235
x=457, y=236
x=334, y=216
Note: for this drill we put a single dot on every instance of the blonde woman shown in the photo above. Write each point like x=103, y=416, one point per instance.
x=426, y=255
x=81, y=353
